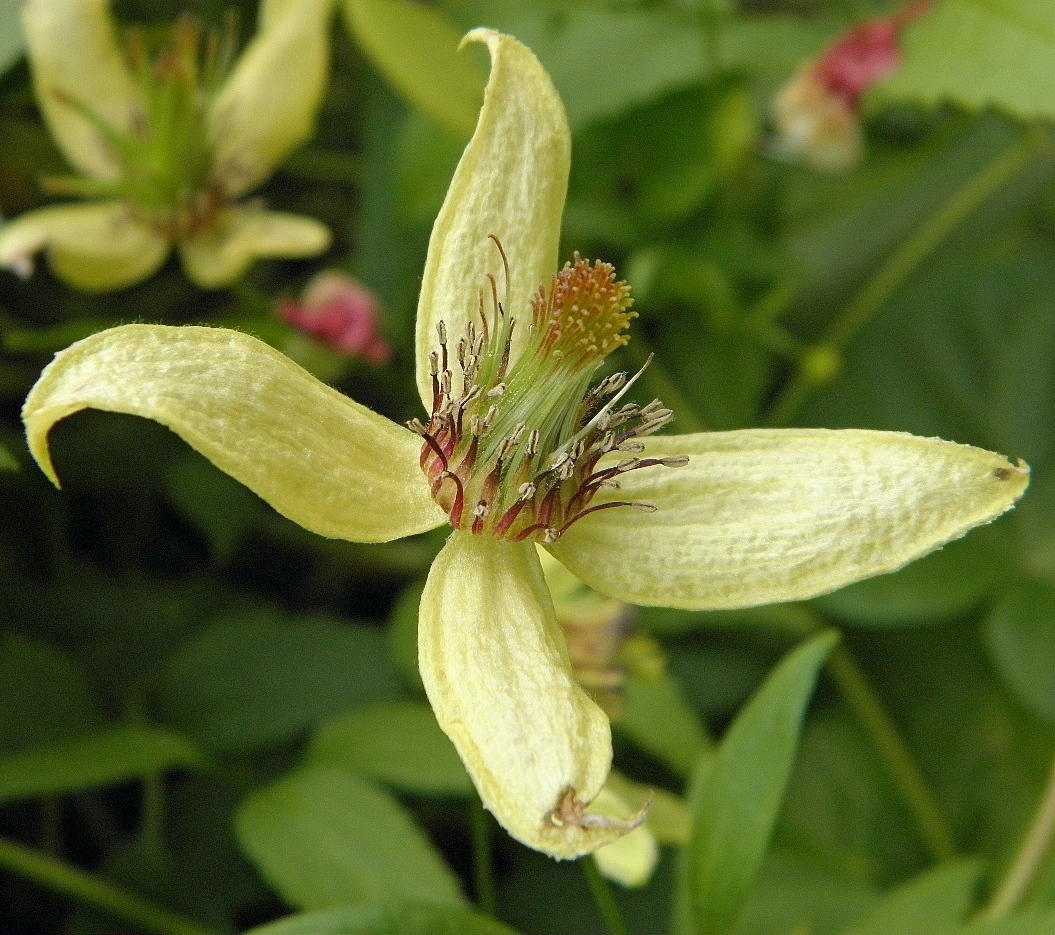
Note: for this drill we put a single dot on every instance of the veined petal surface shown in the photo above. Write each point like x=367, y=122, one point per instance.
x=511, y=182
x=222, y=253
x=97, y=246
x=77, y=58
x=316, y=456
x=762, y=516
x=496, y=669
x=268, y=104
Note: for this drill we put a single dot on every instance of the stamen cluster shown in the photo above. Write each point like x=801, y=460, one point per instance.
x=512, y=448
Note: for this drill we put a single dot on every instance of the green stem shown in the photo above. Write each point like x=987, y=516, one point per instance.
x=482, y=862
x=866, y=705
x=63, y=878
x=908, y=258
x=602, y=896
x=1036, y=844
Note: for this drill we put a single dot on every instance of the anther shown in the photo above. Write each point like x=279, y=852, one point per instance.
x=635, y=447
x=676, y=461
x=496, y=391
x=417, y=427
x=526, y=491
x=434, y=363
x=643, y=507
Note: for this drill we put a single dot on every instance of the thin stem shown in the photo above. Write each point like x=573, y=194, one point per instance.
x=1035, y=847
x=63, y=878
x=482, y=861
x=602, y=896
x=866, y=705
x=908, y=258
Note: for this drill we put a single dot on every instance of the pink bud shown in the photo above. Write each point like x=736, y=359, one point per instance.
x=817, y=114
x=341, y=313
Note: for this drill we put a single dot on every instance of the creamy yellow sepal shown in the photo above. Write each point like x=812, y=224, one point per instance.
x=225, y=250
x=496, y=670
x=511, y=182
x=762, y=516
x=268, y=104
x=316, y=456
x=96, y=246
x=76, y=56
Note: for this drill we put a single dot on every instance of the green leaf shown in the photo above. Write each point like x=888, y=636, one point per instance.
x=46, y=697
x=255, y=681
x=8, y=461
x=993, y=54
x=416, y=48
x=399, y=744
x=660, y=721
x=389, y=918
x=1023, y=923
x=11, y=39
x=103, y=759
x=1020, y=635
x=212, y=502
x=934, y=900
x=739, y=792
x=325, y=838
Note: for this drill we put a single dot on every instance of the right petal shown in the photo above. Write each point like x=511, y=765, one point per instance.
x=496, y=670
x=317, y=457
x=77, y=60
x=96, y=247
x=268, y=104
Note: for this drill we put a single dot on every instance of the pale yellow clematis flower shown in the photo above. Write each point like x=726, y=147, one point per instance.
x=166, y=145
x=513, y=455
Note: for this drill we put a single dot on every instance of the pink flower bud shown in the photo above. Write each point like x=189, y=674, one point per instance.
x=817, y=114
x=341, y=313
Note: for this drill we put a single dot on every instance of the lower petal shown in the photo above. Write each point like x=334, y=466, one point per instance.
x=767, y=515
x=223, y=252
x=96, y=247
x=496, y=670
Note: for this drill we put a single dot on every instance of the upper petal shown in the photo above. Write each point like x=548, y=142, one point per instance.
x=496, y=670
x=97, y=246
x=511, y=182
x=761, y=516
x=268, y=104
x=77, y=60
x=239, y=236
x=320, y=459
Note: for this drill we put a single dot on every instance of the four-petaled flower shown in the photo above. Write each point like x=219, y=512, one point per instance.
x=518, y=450
x=166, y=143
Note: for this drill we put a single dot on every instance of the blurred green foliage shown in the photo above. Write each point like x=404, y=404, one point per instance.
x=210, y=719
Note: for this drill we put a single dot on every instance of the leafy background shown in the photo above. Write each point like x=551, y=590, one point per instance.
x=210, y=720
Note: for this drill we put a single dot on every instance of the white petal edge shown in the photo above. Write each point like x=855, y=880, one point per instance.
x=317, y=457
x=511, y=182
x=268, y=104
x=96, y=247
x=762, y=516
x=496, y=670
x=222, y=253
x=76, y=56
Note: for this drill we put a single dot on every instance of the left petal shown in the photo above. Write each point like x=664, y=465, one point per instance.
x=226, y=249
x=316, y=456
x=96, y=247
x=510, y=182
x=768, y=515
x=78, y=63
x=496, y=670
x=268, y=104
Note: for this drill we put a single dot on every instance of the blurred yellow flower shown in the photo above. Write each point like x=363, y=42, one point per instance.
x=166, y=142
